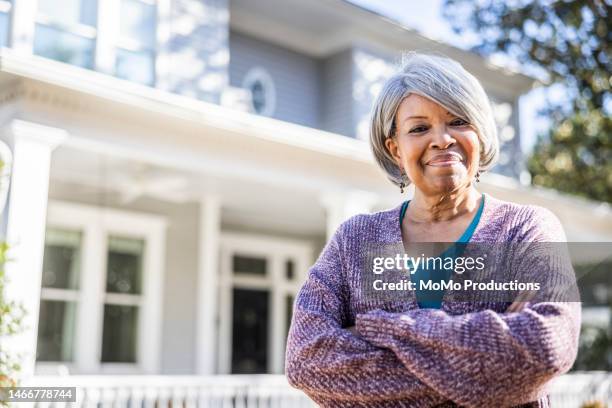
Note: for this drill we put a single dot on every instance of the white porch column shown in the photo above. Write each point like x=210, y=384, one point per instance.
x=208, y=284
x=21, y=37
x=27, y=212
x=341, y=206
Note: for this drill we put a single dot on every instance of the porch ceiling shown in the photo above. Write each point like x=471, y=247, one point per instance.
x=108, y=181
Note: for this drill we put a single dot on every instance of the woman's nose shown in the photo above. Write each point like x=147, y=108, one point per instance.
x=442, y=139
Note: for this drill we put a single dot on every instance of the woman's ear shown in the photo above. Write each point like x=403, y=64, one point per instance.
x=393, y=149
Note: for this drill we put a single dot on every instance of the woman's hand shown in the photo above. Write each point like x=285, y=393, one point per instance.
x=521, y=301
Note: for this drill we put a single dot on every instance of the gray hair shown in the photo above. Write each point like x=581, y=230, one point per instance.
x=445, y=82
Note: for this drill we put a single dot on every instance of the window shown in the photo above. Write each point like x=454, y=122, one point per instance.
x=123, y=36
x=135, y=54
x=263, y=92
x=5, y=12
x=249, y=265
x=59, y=295
x=123, y=299
x=101, y=284
x=66, y=31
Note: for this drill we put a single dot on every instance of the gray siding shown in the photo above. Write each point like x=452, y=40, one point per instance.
x=336, y=93
x=180, y=300
x=296, y=76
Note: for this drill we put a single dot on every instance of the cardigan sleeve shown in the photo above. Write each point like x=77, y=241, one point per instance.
x=328, y=362
x=486, y=358
x=483, y=358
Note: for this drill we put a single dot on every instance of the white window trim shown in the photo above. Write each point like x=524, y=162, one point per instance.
x=96, y=224
x=82, y=30
x=276, y=251
x=261, y=74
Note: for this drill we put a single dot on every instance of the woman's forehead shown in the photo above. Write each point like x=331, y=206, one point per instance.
x=420, y=106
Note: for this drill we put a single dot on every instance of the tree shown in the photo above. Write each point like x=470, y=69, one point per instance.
x=11, y=315
x=569, y=42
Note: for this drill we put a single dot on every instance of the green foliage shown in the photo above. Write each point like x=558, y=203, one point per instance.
x=569, y=41
x=595, y=343
x=576, y=157
x=594, y=349
x=11, y=318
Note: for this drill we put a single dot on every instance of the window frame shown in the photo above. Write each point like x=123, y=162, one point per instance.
x=276, y=251
x=96, y=224
x=260, y=74
x=65, y=295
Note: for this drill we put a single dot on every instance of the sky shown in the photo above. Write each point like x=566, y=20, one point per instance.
x=426, y=17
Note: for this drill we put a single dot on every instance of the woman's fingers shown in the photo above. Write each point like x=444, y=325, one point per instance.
x=521, y=301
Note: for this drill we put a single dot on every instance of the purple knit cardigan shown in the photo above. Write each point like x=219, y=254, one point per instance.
x=405, y=356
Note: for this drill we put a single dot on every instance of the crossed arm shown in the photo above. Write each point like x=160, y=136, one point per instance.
x=425, y=355
x=336, y=364
x=333, y=365
x=483, y=358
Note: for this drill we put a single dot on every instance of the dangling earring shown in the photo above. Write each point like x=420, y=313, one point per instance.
x=478, y=176
x=403, y=182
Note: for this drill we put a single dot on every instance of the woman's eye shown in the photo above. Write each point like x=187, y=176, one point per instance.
x=418, y=129
x=459, y=122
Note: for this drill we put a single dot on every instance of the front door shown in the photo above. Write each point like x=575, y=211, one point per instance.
x=260, y=276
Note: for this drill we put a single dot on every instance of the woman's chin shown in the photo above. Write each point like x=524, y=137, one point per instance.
x=447, y=183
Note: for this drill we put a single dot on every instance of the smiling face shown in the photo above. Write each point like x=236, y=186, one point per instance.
x=439, y=151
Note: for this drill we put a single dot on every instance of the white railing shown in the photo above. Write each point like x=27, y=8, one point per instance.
x=573, y=390
x=262, y=391
x=223, y=391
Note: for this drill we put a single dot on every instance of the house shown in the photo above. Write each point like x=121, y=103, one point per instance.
x=177, y=165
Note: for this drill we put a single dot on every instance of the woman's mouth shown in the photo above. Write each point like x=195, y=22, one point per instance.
x=445, y=159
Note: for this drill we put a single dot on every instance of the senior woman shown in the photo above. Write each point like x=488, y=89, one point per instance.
x=432, y=126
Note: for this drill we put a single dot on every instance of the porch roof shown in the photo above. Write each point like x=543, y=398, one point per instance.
x=323, y=27
x=89, y=90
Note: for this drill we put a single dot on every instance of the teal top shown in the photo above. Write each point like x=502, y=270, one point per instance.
x=432, y=299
